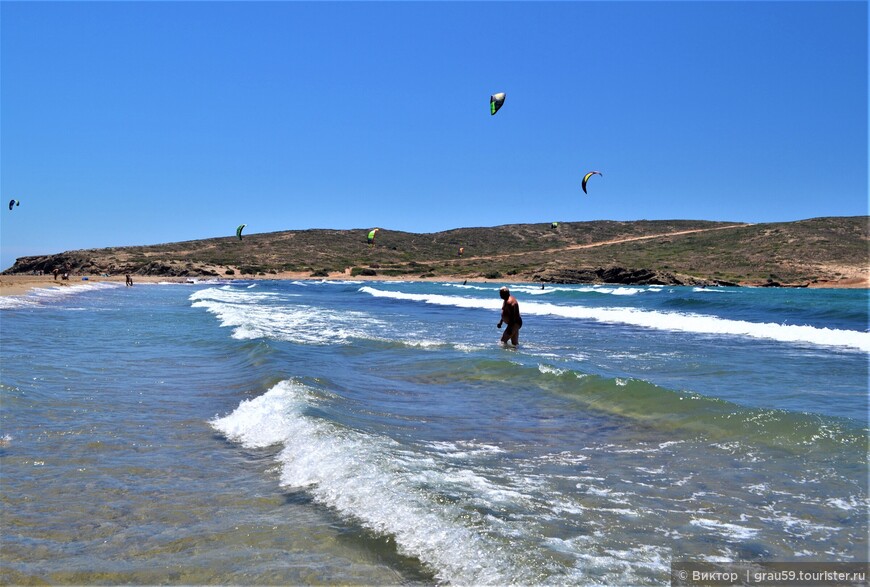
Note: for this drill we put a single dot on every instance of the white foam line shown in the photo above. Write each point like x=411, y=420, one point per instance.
x=669, y=321
x=368, y=478
x=333, y=282
x=14, y=302
x=40, y=295
x=228, y=294
x=250, y=318
x=550, y=289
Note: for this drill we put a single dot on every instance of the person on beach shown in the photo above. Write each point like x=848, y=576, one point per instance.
x=129, y=281
x=510, y=316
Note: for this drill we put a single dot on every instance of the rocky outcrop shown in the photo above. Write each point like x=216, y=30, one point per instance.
x=63, y=262
x=623, y=276
x=81, y=263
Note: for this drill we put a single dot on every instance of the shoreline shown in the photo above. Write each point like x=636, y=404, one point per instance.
x=18, y=285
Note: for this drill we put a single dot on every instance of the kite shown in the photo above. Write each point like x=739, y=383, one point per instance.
x=586, y=178
x=372, y=234
x=14, y=203
x=495, y=102
x=461, y=250
x=239, y=230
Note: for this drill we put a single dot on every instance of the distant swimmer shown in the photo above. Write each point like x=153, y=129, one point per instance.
x=510, y=316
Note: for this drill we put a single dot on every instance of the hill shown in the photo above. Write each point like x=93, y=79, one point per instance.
x=819, y=251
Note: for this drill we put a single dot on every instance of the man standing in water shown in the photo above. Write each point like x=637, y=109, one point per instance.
x=510, y=316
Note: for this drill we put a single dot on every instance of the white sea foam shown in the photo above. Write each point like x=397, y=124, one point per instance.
x=565, y=458
x=65, y=291
x=668, y=321
x=470, y=348
x=426, y=500
x=847, y=504
x=649, y=471
x=669, y=443
x=464, y=449
x=437, y=299
x=758, y=488
x=731, y=531
x=616, y=567
x=258, y=314
x=425, y=344
x=264, y=421
x=374, y=480
x=255, y=315
x=536, y=290
x=485, y=492
x=231, y=294
x=548, y=369
x=340, y=282
x=798, y=526
x=45, y=295
x=626, y=291
x=396, y=491
x=13, y=302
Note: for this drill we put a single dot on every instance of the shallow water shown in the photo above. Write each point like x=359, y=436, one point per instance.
x=375, y=433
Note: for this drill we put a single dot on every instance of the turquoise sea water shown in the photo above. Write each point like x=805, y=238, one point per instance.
x=277, y=432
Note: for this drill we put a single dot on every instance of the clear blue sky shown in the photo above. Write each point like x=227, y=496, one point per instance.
x=143, y=123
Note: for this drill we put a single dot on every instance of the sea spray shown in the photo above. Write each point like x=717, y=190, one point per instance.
x=371, y=479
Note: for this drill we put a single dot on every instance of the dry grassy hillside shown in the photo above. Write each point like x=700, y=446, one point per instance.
x=821, y=250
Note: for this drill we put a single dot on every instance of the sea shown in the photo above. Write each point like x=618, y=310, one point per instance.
x=277, y=432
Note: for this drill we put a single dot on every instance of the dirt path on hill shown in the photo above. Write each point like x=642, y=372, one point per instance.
x=610, y=242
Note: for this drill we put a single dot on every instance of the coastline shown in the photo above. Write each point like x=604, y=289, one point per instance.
x=17, y=285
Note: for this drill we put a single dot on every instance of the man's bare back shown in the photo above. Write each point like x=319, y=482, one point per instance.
x=510, y=315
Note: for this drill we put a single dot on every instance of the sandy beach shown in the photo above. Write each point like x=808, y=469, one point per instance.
x=16, y=285
x=21, y=284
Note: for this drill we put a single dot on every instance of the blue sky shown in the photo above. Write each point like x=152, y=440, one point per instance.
x=142, y=123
